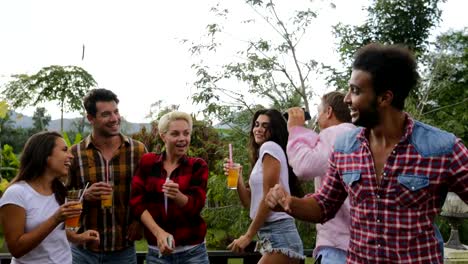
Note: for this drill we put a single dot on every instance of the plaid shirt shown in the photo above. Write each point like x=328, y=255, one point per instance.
x=90, y=166
x=393, y=221
x=184, y=223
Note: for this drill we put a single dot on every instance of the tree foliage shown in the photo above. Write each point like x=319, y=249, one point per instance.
x=9, y=163
x=444, y=97
x=67, y=85
x=41, y=119
x=270, y=69
x=388, y=22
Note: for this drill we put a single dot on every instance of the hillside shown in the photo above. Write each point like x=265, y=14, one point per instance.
x=25, y=121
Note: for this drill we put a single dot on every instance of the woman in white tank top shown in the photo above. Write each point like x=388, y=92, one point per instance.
x=279, y=241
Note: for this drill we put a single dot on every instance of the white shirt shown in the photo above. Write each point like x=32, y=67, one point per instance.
x=55, y=247
x=256, y=179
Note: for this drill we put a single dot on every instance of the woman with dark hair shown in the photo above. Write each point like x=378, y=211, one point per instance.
x=279, y=240
x=33, y=207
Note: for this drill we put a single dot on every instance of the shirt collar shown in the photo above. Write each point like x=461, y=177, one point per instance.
x=409, y=124
x=89, y=140
x=162, y=157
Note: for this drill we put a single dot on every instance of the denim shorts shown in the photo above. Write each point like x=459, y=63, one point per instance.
x=331, y=255
x=280, y=236
x=195, y=255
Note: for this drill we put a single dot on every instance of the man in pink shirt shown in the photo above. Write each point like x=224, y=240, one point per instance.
x=308, y=154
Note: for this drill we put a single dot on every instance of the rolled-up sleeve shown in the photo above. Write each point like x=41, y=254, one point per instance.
x=332, y=194
x=196, y=192
x=307, y=153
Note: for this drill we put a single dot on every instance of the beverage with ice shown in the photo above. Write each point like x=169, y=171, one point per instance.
x=73, y=223
x=233, y=175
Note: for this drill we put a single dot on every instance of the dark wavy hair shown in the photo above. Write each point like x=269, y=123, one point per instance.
x=33, y=161
x=392, y=67
x=278, y=130
x=98, y=95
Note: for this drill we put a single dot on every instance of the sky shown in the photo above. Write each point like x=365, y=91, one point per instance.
x=135, y=48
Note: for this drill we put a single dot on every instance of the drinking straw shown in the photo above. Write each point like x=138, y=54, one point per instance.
x=82, y=194
x=230, y=154
x=165, y=196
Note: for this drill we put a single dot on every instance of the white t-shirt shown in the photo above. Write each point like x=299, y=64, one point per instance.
x=55, y=247
x=256, y=179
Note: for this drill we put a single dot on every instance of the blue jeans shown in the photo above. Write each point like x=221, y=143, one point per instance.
x=331, y=255
x=280, y=236
x=84, y=256
x=196, y=255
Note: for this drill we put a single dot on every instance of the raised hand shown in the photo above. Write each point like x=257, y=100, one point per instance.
x=94, y=192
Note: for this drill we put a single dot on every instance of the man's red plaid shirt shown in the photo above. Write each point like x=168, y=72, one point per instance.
x=393, y=221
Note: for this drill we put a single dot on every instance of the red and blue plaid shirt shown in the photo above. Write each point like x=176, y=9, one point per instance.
x=393, y=221
x=184, y=223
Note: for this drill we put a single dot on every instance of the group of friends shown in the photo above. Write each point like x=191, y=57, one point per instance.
x=380, y=176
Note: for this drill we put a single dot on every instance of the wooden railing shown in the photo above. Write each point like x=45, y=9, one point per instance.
x=216, y=256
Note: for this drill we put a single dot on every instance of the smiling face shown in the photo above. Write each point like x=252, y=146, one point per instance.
x=106, y=123
x=177, y=138
x=261, y=129
x=362, y=100
x=59, y=161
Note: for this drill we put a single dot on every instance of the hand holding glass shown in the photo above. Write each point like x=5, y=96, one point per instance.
x=73, y=223
x=233, y=175
x=106, y=199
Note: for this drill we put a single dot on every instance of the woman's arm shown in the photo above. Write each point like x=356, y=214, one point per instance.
x=19, y=242
x=158, y=232
x=243, y=191
x=271, y=174
x=83, y=238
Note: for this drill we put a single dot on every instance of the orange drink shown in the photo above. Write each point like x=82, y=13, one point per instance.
x=233, y=175
x=106, y=200
x=73, y=223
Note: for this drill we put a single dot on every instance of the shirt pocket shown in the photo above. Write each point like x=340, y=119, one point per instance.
x=412, y=190
x=353, y=181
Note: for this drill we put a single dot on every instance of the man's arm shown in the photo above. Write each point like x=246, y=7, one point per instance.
x=458, y=180
x=307, y=153
x=306, y=209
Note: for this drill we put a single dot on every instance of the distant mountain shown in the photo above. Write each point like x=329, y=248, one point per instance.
x=25, y=121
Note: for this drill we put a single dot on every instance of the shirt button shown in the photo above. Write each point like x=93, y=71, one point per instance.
x=378, y=245
x=378, y=220
x=393, y=152
x=412, y=188
x=378, y=196
x=384, y=174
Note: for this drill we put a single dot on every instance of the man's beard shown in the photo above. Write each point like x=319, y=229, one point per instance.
x=368, y=118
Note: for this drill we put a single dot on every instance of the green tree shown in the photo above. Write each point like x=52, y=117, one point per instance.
x=67, y=85
x=388, y=22
x=273, y=69
x=11, y=135
x=10, y=163
x=40, y=119
x=444, y=97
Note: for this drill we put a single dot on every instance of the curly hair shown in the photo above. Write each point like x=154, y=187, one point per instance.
x=392, y=67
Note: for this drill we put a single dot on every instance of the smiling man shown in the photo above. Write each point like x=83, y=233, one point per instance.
x=107, y=160
x=395, y=170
